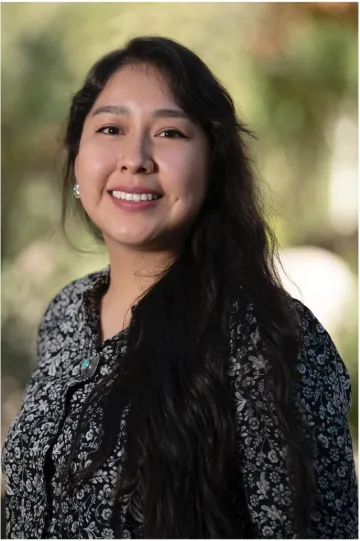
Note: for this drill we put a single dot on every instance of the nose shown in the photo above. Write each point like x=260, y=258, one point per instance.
x=135, y=156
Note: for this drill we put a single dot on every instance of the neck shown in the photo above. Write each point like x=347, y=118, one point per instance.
x=133, y=272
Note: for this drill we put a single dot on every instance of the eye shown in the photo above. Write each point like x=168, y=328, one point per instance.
x=109, y=130
x=172, y=134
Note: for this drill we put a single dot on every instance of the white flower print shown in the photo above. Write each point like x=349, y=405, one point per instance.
x=272, y=456
x=106, y=514
x=43, y=431
x=263, y=484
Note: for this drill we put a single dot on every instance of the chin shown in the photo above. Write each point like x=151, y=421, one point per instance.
x=138, y=242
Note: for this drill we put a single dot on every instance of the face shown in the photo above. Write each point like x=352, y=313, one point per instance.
x=142, y=163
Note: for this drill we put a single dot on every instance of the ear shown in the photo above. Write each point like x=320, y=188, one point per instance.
x=76, y=167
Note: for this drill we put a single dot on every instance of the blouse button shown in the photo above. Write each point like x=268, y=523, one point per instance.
x=88, y=366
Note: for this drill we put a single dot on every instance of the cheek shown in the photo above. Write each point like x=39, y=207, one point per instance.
x=94, y=162
x=185, y=173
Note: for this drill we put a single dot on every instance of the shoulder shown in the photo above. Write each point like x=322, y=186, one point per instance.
x=66, y=304
x=71, y=293
x=324, y=398
x=323, y=375
x=62, y=320
x=322, y=394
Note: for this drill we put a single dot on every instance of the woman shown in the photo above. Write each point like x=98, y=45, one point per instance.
x=179, y=393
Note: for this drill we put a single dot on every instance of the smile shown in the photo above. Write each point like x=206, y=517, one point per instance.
x=135, y=197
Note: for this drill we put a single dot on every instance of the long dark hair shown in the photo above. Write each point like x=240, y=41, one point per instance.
x=181, y=432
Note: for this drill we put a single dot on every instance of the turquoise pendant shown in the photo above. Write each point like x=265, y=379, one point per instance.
x=88, y=367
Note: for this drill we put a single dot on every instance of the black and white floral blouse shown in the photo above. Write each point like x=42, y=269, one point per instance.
x=70, y=364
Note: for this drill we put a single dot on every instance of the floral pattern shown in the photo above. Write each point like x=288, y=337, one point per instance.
x=39, y=440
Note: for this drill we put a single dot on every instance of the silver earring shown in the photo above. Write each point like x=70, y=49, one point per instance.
x=76, y=191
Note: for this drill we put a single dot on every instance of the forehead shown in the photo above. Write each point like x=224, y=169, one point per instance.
x=137, y=84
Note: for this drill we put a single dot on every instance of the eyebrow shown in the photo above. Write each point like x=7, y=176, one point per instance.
x=157, y=113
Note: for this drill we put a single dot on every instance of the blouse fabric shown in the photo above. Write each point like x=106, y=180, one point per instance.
x=39, y=439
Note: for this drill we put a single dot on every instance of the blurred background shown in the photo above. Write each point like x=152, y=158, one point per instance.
x=292, y=70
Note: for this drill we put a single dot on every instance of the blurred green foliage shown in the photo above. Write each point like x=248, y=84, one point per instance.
x=292, y=70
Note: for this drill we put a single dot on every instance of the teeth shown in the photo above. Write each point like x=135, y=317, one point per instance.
x=135, y=196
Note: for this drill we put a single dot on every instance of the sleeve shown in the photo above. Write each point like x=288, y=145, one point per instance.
x=15, y=455
x=45, y=331
x=324, y=398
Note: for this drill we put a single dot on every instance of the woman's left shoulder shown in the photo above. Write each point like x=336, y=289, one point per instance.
x=322, y=395
x=324, y=398
x=322, y=372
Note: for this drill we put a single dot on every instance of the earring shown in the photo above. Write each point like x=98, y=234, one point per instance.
x=76, y=191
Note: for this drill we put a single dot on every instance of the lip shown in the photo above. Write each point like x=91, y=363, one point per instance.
x=136, y=189
x=135, y=207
